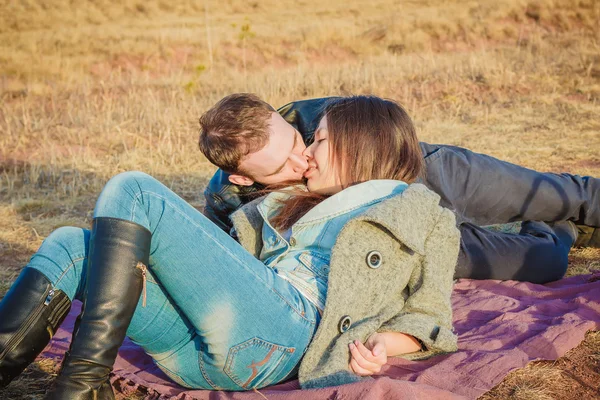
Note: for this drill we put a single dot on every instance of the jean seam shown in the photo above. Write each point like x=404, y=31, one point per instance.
x=216, y=242
x=186, y=384
x=312, y=266
x=299, y=313
x=203, y=369
x=68, y=268
x=435, y=155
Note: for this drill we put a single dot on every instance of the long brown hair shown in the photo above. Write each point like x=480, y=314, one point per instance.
x=369, y=138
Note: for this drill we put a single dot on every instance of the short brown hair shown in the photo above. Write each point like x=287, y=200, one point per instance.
x=233, y=128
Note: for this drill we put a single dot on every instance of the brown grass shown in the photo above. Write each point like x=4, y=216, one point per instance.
x=91, y=89
x=573, y=376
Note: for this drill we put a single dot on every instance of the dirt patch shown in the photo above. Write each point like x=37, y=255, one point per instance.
x=576, y=375
x=330, y=53
x=167, y=62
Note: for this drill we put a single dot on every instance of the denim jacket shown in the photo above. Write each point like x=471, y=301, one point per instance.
x=302, y=254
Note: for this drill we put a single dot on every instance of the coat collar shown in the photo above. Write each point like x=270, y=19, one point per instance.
x=409, y=217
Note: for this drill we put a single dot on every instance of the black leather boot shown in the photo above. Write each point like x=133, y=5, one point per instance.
x=30, y=314
x=118, y=256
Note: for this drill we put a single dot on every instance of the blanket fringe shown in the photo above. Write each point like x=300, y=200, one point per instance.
x=261, y=395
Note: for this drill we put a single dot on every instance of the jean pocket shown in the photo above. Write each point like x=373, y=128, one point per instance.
x=257, y=363
x=315, y=264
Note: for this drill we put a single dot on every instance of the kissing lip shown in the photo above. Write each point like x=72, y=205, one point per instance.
x=309, y=171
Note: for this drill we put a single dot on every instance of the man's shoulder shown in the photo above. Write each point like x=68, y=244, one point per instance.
x=304, y=114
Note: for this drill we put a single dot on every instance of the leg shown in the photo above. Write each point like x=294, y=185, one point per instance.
x=250, y=327
x=40, y=298
x=485, y=190
x=118, y=256
x=538, y=254
x=57, y=271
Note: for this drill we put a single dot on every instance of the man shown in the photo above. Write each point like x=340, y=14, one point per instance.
x=258, y=146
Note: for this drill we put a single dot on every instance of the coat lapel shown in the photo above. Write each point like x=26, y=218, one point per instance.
x=410, y=216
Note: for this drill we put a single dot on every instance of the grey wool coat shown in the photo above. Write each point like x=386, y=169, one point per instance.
x=417, y=243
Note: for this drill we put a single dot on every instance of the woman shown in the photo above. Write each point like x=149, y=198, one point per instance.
x=364, y=257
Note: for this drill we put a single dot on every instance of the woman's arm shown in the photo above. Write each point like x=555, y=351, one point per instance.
x=367, y=359
x=398, y=343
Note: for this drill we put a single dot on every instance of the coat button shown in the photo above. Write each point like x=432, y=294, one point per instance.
x=345, y=323
x=292, y=242
x=374, y=259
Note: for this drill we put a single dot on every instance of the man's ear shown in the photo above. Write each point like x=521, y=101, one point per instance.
x=240, y=180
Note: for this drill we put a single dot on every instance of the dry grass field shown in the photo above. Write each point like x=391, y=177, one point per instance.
x=92, y=88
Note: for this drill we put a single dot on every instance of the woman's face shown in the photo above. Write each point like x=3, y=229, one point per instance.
x=322, y=177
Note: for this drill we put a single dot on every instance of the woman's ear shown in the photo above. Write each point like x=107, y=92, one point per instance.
x=240, y=180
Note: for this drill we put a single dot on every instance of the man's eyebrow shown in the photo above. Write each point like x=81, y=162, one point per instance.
x=296, y=134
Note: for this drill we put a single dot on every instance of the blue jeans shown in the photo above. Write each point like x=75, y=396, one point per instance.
x=216, y=317
x=484, y=190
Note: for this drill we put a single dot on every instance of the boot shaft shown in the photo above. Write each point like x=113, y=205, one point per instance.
x=113, y=288
x=30, y=314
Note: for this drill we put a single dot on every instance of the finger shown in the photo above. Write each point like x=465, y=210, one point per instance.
x=378, y=350
x=358, y=370
x=360, y=359
x=364, y=351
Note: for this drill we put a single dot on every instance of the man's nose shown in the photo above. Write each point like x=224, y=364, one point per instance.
x=300, y=162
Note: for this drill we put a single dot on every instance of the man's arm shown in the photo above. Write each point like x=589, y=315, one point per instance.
x=223, y=198
x=304, y=116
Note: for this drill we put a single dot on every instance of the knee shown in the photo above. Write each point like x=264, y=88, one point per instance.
x=121, y=191
x=130, y=181
x=548, y=262
x=67, y=237
x=62, y=246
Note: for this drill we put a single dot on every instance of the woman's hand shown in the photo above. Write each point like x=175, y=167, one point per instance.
x=367, y=359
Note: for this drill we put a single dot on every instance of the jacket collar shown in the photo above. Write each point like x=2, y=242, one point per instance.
x=349, y=199
x=353, y=197
x=410, y=217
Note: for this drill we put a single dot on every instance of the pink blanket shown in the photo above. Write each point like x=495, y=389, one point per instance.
x=501, y=326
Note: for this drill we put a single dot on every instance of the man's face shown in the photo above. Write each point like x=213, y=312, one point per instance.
x=280, y=160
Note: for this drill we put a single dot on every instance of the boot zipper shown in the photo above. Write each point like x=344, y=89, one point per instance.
x=32, y=317
x=60, y=310
x=49, y=297
x=143, y=268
